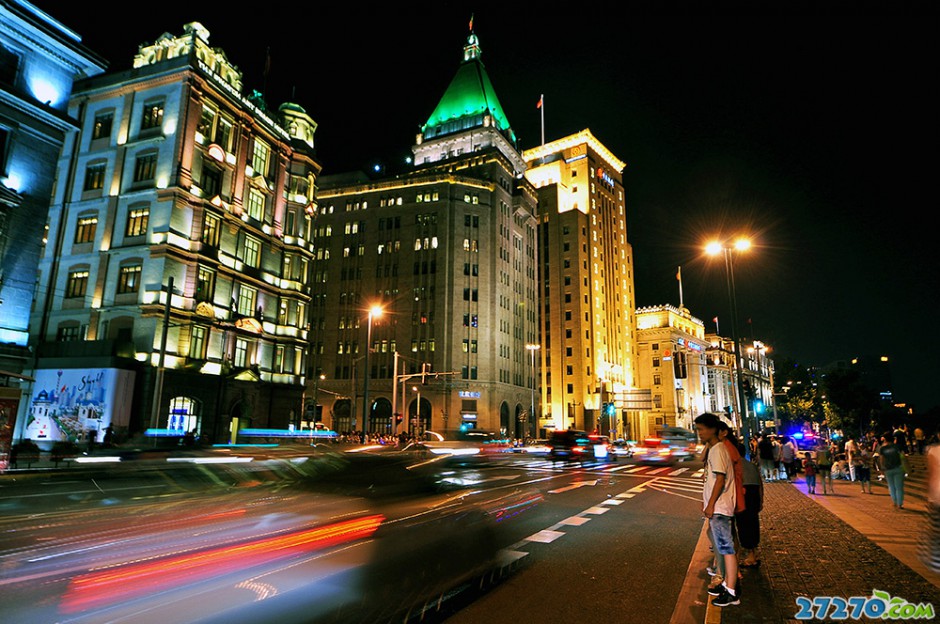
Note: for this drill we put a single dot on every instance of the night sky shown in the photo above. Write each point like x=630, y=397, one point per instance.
x=811, y=132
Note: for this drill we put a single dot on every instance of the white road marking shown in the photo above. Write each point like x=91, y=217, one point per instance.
x=625, y=495
x=575, y=521
x=658, y=470
x=615, y=468
x=573, y=486
x=677, y=472
x=596, y=511
x=612, y=501
x=637, y=468
x=544, y=537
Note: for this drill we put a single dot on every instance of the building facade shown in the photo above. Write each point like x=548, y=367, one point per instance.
x=176, y=177
x=757, y=379
x=588, y=337
x=672, y=363
x=448, y=252
x=39, y=60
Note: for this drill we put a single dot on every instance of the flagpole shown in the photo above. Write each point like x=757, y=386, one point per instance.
x=542, y=108
x=679, y=277
x=717, y=329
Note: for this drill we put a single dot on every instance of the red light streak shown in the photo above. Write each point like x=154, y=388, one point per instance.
x=114, y=584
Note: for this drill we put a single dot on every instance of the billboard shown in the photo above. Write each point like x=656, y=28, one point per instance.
x=78, y=404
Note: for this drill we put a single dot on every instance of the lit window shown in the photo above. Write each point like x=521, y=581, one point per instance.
x=85, y=230
x=128, y=279
x=94, y=177
x=211, y=230
x=259, y=157
x=137, y=221
x=246, y=300
x=205, y=284
x=255, y=204
x=152, y=116
x=241, y=353
x=197, y=343
x=102, y=126
x=251, y=251
x=77, y=284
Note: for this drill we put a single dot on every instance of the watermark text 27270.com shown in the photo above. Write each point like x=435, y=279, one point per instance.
x=880, y=605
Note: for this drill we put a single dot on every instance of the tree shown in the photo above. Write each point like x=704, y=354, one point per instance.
x=851, y=399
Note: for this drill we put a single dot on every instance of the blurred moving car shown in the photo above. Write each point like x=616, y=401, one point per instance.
x=623, y=448
x=656, y=451
x=243, y=537
x=534, y=447
x=575, y=445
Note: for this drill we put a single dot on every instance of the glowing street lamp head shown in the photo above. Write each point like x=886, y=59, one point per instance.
x=742, y=244
x=713, y=248
x=376, y=311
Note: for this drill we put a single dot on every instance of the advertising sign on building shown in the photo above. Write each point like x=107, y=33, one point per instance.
x=78, y=404
x=9, y=403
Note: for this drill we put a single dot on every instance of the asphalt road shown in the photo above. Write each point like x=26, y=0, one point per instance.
x=610, y=540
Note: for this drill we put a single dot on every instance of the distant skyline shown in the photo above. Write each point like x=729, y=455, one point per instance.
x=805, y=131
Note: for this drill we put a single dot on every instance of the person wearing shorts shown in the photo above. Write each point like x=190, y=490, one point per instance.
x=719, y=498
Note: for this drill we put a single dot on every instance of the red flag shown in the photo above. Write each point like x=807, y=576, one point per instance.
x=539, y=105
x=471, y=22
x=715, y=319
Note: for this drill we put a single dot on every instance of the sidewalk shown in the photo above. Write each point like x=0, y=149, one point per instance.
x=844, y=545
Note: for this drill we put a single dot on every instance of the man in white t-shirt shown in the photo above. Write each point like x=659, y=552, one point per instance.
x=851, y=450
x=719, y=502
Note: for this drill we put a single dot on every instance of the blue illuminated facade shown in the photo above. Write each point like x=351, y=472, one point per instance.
x=39, y=60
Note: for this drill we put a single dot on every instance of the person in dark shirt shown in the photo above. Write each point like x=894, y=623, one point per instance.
x=765, y=450
x=893, y=464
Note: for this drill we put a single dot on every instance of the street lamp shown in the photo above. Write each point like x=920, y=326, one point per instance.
x=374, y=312
x=713, y=249
x=316, y=393
x=532, y=349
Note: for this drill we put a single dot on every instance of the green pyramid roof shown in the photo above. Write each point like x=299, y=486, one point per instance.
x=470, y=95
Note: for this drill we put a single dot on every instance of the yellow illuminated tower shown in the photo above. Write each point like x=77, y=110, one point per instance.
x=588, y=346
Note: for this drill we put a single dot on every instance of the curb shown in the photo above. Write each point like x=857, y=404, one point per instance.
x=689, y=607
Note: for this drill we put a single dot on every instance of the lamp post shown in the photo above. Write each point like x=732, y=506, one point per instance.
x=316, y=393
x=532, y=349
x=715, y=248
x=374, y=312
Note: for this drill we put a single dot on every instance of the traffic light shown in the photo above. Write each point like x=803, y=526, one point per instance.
x=610, y=409
x=758, y=406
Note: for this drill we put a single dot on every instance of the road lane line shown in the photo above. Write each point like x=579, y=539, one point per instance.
x=573, y=486
x=625, y=495
x=575, y=521
x=612, y=501
x=596, y=511
x=544, y=537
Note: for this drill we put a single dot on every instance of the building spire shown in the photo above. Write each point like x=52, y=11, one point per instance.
x=472, y=49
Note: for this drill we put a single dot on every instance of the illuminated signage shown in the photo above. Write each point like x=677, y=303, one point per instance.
x=467, y=394
x=604, y=176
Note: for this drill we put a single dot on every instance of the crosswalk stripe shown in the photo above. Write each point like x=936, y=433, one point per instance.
x=612, y=501
x=596, y=511
x=544, y=537
x=677, y=472
x=658, y=470
x=637, y=468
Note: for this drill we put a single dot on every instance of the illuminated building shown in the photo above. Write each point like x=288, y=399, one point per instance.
x=758, y=379
x=177, y=174
x=588, y=347
x=39, y=60
x=448, y=249
x=672, y=347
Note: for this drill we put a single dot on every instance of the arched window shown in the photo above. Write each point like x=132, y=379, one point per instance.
x=184, y=415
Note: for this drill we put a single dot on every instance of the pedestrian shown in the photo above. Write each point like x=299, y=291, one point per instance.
x=778, y=462
x=863, y=468
x=809, y=469
x=919, y=440
x=931, y=544
x=719, y=504
x=788, y=457
x=851, y=449
x=893, y=464
x=748, y=521
x=108, y=436
x=765, y=450
x=900, y=438
x=824, y=465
